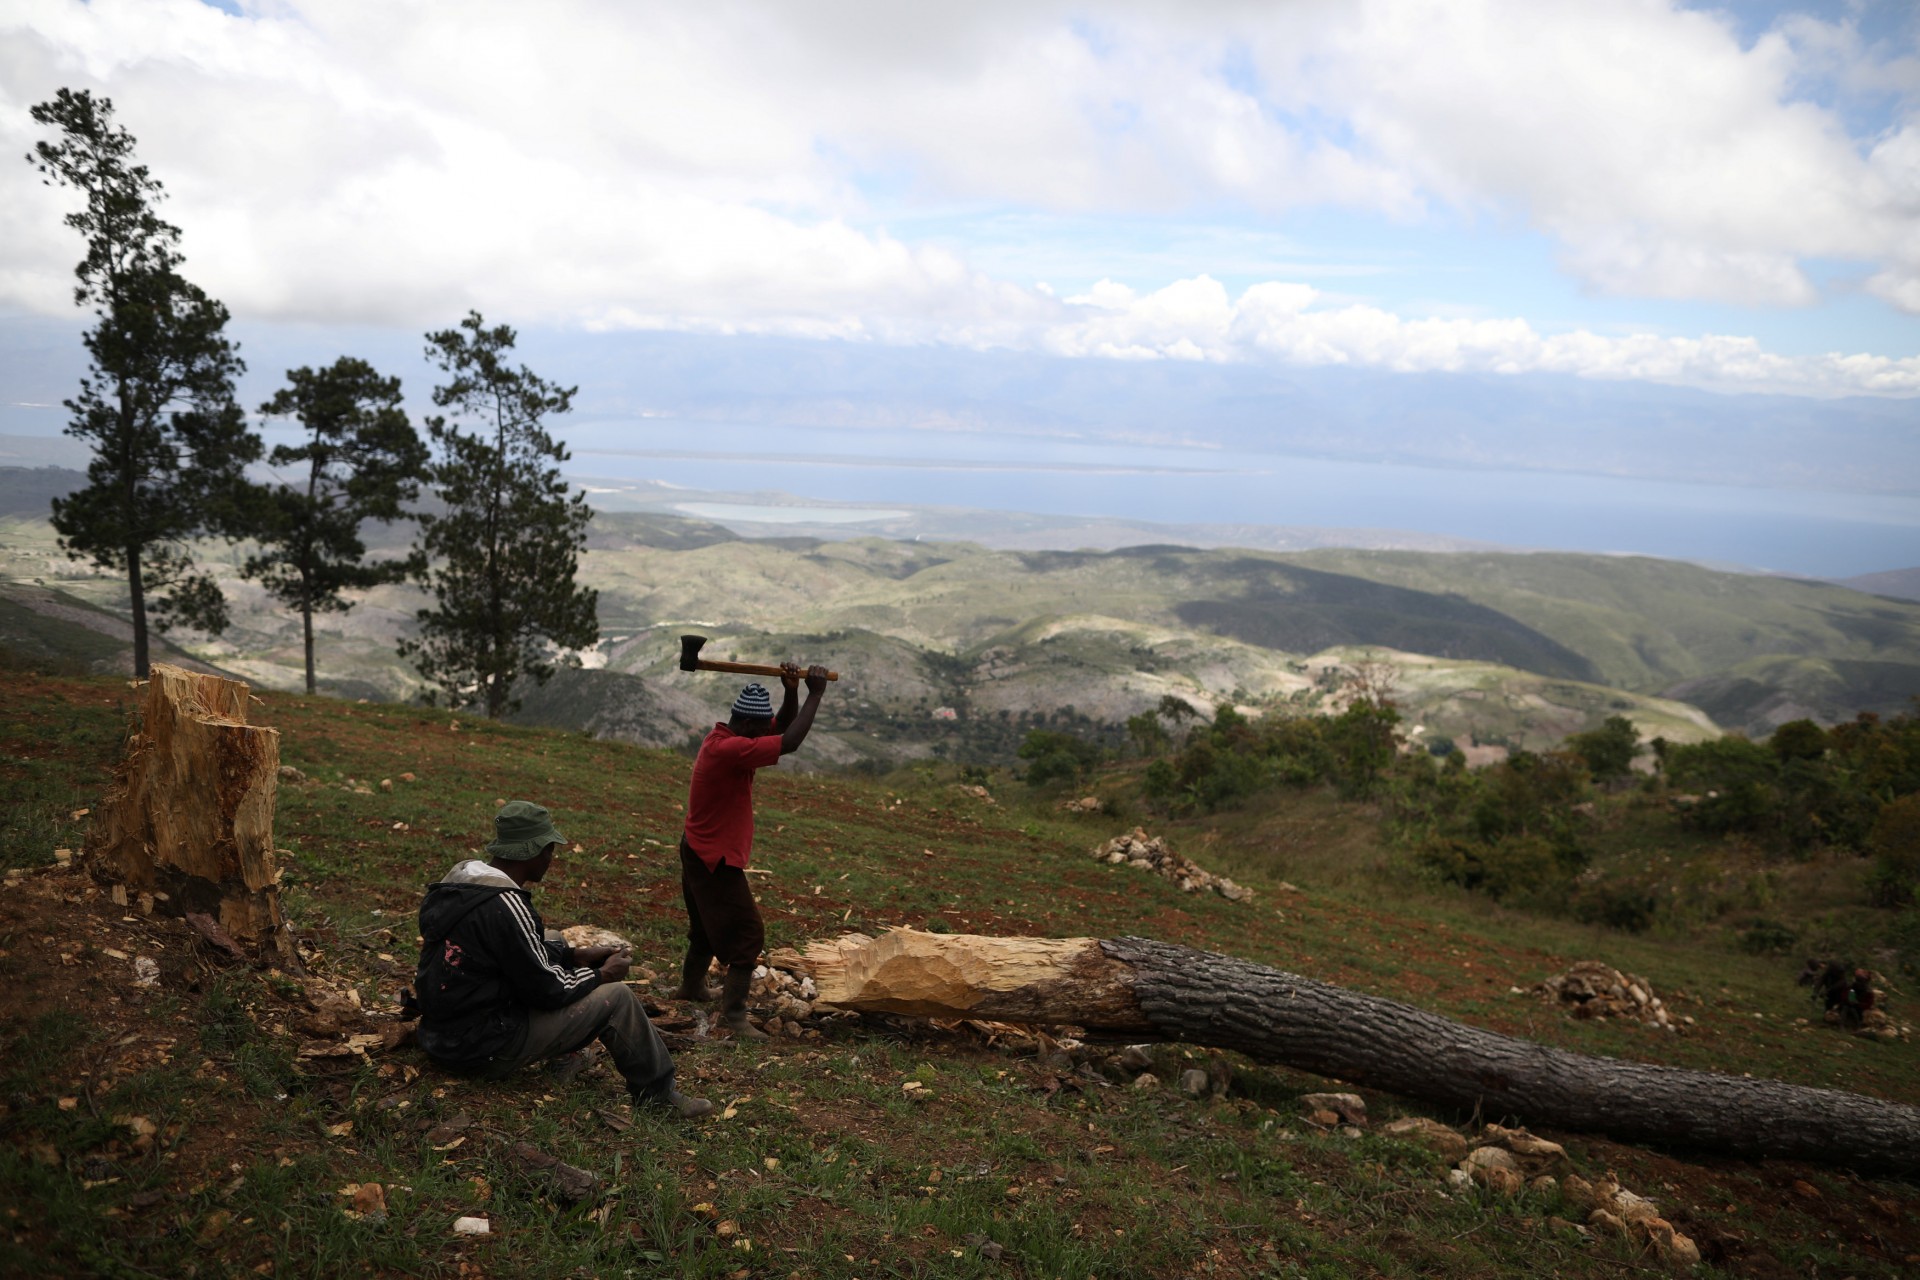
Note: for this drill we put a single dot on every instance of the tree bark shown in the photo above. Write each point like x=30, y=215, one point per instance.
x=1137, y=986
x=137, y=610
x=190, y=819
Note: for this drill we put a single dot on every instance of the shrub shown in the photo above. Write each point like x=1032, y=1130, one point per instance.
x=1056, y=757
x=1767, y=937
x=1734, y=779
x=1617, y=904
x=1895, y=845
x=1608, y=751
x=1511, y=867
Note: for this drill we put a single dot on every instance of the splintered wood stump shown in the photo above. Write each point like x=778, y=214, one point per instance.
x=1156, y=990
x=191, y=813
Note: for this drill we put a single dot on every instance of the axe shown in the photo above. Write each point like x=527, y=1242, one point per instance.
x=690, y=660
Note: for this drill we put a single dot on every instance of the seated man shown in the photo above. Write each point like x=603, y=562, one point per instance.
x=494, y=995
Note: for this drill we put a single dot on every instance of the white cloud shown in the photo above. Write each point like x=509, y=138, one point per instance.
x=714, y=167
x=1197, y=319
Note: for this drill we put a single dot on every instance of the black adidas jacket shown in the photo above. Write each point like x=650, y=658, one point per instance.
x=484, y=964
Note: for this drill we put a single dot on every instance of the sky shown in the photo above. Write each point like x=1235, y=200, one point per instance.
x=1610, y=193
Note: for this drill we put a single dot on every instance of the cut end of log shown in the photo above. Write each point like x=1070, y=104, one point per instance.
x=943, y=975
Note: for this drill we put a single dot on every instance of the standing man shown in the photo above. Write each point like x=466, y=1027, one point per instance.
x=722, y=918
x=495, y=995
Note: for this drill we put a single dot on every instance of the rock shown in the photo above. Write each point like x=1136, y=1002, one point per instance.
x=1604, y=1223
x=1431, y=1134
x=1194, y=1083
x=1143, y=852
x=985, y=1246
x=1146, y=1080
x=1581, y=1193
x=1504, y=1182
x=1546, y=1184
x=1350, y=1107
x=1633, y=1208
x=1490, y=1158
x=1536, y=1156
x=290, y=774
x=1459, y=1179
x=370, y=1200
x=407, y=777
x=146, y=971
x=1561, y=1224
x=1591, y=989
x=1671, y=1247
x=471, y=1226
x=1323, y=1119
x=1133, y=1058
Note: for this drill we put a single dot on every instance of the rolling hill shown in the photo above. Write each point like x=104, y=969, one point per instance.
x=954, y=649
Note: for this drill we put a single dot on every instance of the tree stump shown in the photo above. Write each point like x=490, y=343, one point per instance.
x=190, y=817
x=1156, y=990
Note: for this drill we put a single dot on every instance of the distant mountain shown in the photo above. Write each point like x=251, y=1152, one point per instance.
x=1901, y=584
x=955, y=648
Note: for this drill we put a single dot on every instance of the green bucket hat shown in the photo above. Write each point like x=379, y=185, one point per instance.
x=521, y=831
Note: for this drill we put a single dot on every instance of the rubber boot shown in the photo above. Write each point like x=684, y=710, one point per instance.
x=733, y=1004
x=693, y=977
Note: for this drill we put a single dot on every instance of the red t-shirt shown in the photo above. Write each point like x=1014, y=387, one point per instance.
x=720, y=801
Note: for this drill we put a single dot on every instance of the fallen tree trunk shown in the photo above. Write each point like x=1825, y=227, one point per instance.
x=190, y=819
x=1136, y=986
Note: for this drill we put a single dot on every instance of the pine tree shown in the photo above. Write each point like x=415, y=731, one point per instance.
x=504, y=552
x=363, y=461
x=170, y=444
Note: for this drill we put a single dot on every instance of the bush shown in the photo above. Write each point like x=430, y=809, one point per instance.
x=1617, y=904
x=1516, y=866
x=1767, y=937
x=1734, y=779
x=1057, y=757
x=1608, y=751
x=1895, y=845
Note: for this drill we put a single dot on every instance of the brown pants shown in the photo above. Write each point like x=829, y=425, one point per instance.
x=722, y=918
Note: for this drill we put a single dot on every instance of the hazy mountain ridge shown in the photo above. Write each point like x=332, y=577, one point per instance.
x=1520, y=648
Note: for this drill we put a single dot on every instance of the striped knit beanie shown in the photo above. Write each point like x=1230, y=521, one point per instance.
x=754, y=703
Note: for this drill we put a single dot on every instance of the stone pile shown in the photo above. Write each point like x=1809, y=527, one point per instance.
x=784, y=992
x=1596, y=990
x=1150, y=853
x=1876, y=1025
x=1508, y=1162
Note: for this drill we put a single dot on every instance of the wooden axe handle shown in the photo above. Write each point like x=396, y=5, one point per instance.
x=747, y=668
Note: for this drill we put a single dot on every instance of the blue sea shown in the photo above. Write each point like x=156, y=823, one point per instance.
x=1805, y=532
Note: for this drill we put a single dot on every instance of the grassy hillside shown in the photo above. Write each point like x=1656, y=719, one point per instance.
x=1650, y=625
x=998, y=635
x=818, y=1157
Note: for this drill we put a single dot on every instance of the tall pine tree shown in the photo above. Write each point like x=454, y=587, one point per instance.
x=363, y=461
x=504, y=552
x=170, y=443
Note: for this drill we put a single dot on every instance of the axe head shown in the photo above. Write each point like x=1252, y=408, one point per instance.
x=690, y=652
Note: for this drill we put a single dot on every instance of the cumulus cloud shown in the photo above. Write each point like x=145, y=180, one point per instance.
x=731, y=166
x=1198, y=320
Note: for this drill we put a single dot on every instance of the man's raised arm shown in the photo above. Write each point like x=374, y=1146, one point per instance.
x=794, y=733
